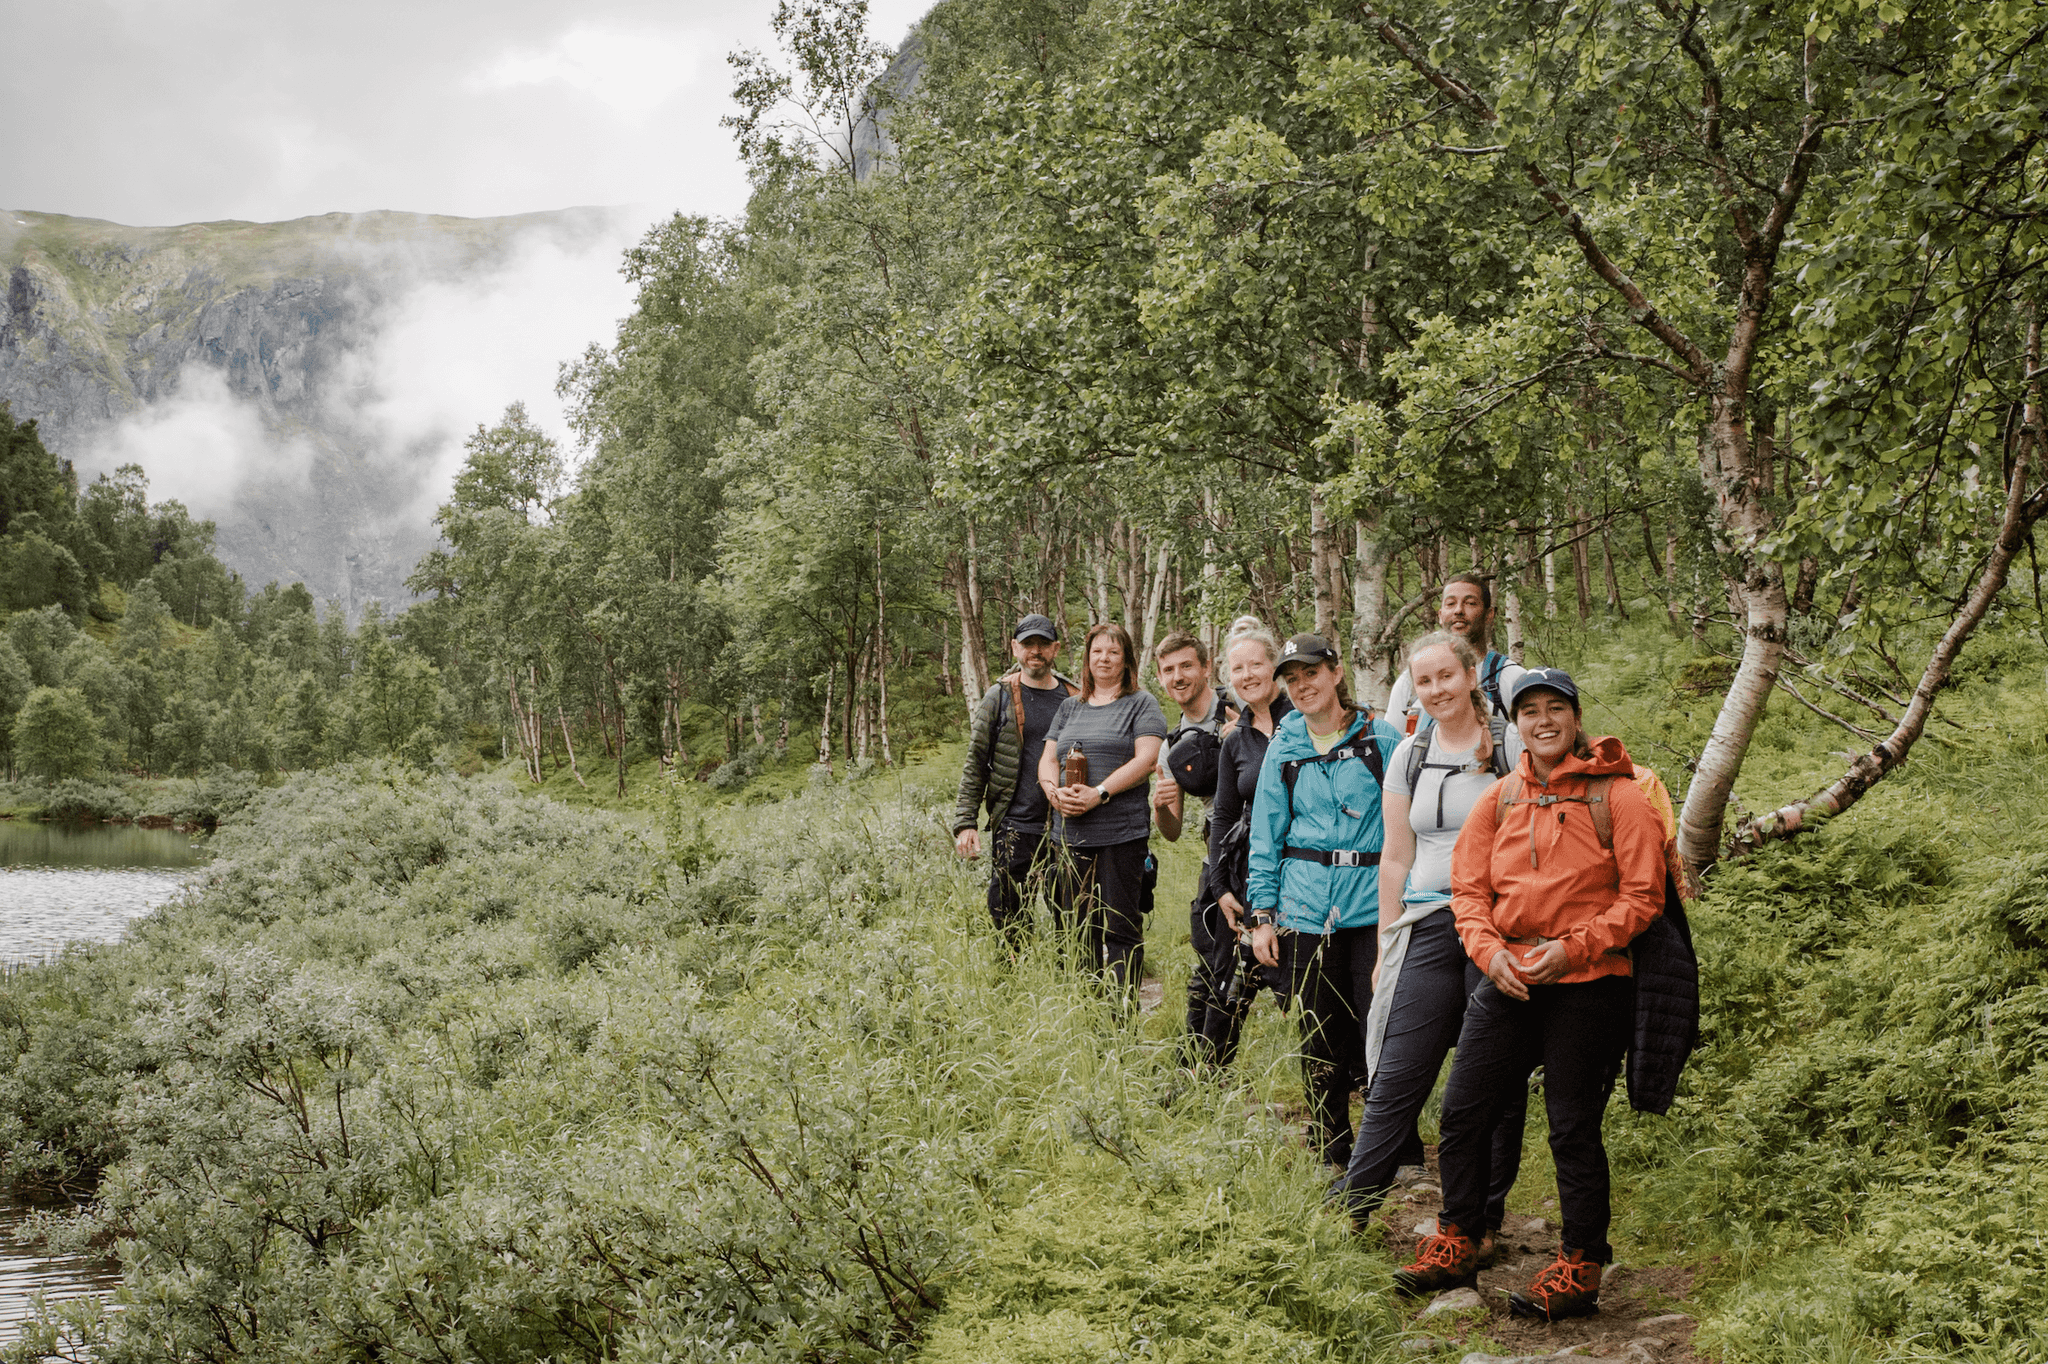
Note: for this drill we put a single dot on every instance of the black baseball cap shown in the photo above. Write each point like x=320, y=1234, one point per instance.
x=1544, y=679
x=1309, y=648
x=1036, y=626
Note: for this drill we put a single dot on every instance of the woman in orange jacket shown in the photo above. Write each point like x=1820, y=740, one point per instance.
x=1555, y=874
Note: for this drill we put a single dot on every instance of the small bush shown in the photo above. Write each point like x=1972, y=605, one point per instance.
x=734, y=775
x=77, y=799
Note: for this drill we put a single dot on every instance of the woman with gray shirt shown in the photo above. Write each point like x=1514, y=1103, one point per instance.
x=1104, y=822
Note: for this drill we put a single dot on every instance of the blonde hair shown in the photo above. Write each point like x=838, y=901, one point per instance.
x=1251, y=630
x=1468, y=659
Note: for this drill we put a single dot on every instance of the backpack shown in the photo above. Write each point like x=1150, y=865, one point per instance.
x=1489, y=682
x=1418, y=755
x=1191, y=754
x=1666, y=967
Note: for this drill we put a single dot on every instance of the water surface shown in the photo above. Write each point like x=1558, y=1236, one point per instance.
x=63, y=883
x=25, y=1272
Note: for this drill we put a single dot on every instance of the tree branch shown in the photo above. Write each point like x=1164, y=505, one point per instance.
x=1640, y=309
x=2021, y=512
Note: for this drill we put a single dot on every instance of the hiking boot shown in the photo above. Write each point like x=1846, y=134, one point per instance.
x=1491, y=1250
x=1568, y=1286
x=1445, y=1260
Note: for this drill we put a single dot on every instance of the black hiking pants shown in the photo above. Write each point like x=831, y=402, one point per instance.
x=1330, y=977
x=1098, y=896
x=1019, y=861
x=1422, y=1027
x=1578, y=1034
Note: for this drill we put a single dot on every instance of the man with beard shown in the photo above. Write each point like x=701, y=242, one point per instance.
x=1011, y=722
x=1465, y=608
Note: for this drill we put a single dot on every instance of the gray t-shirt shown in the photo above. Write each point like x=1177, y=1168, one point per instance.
x=1436, y=827
x=1107, y=735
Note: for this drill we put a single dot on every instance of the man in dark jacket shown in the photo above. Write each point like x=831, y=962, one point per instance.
x=1011, y=722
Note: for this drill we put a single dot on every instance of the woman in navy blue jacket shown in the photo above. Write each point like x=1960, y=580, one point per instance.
x=1314, y=878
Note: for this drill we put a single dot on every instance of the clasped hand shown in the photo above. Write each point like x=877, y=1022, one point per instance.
x=1539, y=966
x=1073, y=800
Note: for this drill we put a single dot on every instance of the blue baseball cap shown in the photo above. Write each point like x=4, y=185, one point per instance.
x=1544, y=679
x=1035, y=626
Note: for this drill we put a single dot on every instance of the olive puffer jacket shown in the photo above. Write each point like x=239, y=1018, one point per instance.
x=989, y=777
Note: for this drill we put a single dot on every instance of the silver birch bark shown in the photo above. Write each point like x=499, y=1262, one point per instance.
x=1368, y=614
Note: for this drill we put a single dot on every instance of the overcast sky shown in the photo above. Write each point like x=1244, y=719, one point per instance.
x=155, y=112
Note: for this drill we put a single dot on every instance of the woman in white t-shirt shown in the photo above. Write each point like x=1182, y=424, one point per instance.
x=1435, y=778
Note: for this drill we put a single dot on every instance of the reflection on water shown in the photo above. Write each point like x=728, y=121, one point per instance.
x=24, y=1272
x=31, y=843
x=61, y=883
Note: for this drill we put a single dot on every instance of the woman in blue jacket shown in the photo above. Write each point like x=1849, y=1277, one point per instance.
x=1314, y=878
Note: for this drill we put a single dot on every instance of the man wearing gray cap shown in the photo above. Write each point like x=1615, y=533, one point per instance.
x=1010, y=725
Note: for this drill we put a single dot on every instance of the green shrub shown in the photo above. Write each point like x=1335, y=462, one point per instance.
x=75, y=799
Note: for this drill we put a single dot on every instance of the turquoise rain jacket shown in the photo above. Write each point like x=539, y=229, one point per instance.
x=1336, y=806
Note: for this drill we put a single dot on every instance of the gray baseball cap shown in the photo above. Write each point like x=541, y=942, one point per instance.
x=1035, y=626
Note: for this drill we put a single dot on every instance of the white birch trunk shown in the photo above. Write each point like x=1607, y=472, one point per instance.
x=1318, y=566
x=1153, y=602
x=1369, y=672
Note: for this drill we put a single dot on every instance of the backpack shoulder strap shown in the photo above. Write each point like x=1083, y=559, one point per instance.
x=1365, y=747
x=1489, y=680
x=1602, y=809
x=1015, y=685
x=1418, y=753
x=1508, y=790
x=1498, y=763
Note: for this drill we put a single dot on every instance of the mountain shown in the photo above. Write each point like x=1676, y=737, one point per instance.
x=285, y=378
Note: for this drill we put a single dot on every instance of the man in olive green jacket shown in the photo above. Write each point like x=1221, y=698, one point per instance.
x=1011, y=722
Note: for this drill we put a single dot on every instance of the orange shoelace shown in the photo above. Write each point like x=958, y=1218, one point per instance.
x=1562, y=1276
x=1441, y=1252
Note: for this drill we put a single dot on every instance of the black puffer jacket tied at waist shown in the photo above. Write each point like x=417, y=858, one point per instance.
x=1667, y=977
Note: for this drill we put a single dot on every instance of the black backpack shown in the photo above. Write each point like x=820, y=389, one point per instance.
x=1418, y=759
x=1191, y=754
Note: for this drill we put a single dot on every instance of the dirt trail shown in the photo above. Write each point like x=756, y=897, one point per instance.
x=1645, y=1316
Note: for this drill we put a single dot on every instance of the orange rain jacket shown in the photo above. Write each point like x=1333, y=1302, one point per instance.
x=1596, y=901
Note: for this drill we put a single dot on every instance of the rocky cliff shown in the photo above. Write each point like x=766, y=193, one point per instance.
x=246, y=354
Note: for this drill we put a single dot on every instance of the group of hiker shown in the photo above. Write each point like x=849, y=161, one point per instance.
x=1485, y=878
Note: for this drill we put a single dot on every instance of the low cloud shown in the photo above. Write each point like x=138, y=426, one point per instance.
x=338, y=487
x=204, y=446
x=452, y=354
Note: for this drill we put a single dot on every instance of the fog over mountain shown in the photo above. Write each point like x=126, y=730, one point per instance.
x=306, y=384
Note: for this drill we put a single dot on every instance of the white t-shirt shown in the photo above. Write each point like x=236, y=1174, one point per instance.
x=1404, y=712
x=1437, y=809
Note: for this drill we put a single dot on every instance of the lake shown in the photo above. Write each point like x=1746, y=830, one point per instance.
x=63, y=883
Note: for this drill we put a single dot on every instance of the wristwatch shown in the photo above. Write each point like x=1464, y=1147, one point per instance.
x=1103, y=791
x=1263, y=918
